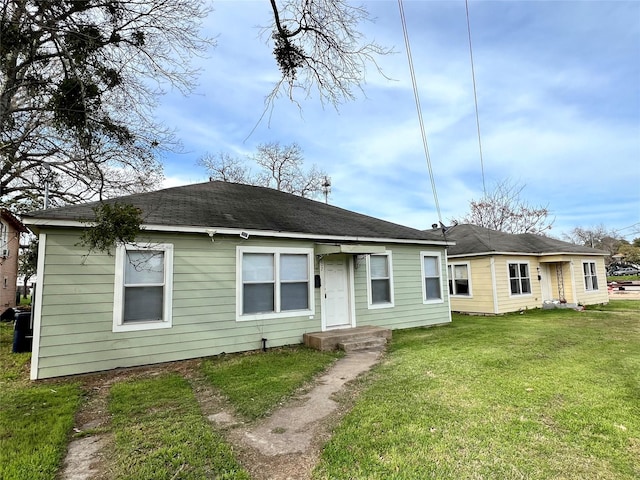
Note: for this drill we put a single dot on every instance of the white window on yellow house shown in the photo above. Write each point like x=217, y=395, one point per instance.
x=590, y=276
x=459, y=280
x=519, y=279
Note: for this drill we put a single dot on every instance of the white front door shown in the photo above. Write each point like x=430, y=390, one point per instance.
x=336, y=290
x=545, y=281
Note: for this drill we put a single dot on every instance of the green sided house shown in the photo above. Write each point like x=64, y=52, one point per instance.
x=491, y=272
x=223, y=267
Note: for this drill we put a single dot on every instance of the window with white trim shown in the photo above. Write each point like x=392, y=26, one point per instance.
x=519, y=279
x=590, y=276
x=431, y=277
x=274, y=282
x=4, y=240
x=380, y=280
x=459, y=280
x=143, y=287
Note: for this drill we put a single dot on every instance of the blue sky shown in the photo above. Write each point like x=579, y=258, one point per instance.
x=558, y=96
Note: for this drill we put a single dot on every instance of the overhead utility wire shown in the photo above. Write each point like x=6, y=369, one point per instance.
x=419, y=108
x=475, y=99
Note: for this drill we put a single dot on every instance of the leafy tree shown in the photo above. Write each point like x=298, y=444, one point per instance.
x=78, y=81
x=281, y=168
x=503, y=210
x=630, y=252
x=113, y=224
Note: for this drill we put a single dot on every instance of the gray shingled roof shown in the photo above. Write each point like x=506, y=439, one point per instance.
x=472, y=239
x=230, y=205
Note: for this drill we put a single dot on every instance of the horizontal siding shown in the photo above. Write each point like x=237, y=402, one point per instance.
x=513, y=303
x=409, y=310
x=591, y=297
x=481, y=299
x=78, y=293
x=77, y=308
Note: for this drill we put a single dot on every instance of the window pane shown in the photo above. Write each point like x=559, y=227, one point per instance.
x=461, y=271
x=379, y=266
x=293, y=267
x=143, y=304
x=380, y=291
x=257, y=298
x=526, y=285
x=595, y=282
x=431, y=267
x=524, y=270
x=432, y=288
x=515, y=286
x=513, y=271
x=257, y=267
x=294, y=296
x=593, y=268
x=462, y=287
x=585, y=268
x=144, y=267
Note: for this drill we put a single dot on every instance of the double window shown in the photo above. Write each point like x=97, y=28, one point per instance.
x=143, y=287
x=431, y=277
x=459, y=283
x=519, y=279
x=380, y=280
x=590, y=276
x=274, y=282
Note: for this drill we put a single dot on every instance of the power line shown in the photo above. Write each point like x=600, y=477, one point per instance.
x=475, y=99
x=419, y=109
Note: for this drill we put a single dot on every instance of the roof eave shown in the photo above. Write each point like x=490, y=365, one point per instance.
x=37, y=223
x=525, y=254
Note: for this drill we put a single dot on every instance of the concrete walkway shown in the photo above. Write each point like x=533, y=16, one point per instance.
x=289, y=430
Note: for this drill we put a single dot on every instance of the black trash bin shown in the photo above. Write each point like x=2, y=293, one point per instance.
x=22, y=332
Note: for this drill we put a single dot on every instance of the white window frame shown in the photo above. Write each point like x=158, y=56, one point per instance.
x=391, y=302
x=518, y=263
x=119, y=287
x=588, y=278
x=438, y=256
x=4, y=239
x=453, y=292
x=276, y=252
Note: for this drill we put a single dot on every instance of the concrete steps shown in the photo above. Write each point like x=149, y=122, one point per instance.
x=348, y=339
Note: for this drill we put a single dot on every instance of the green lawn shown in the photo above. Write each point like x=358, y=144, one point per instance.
x=543, y=395
x=35, y=419
x=256, y=383
x=547, y=394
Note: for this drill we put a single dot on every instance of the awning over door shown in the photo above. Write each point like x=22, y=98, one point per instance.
x=326, y=249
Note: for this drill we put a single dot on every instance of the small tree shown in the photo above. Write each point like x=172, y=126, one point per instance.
x=114, y=224
x=631, y=252
x=281, y=168
x=503, y=210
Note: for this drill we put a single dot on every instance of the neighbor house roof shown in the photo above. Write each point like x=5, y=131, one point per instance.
x=475, y=240
x=9, y=218
x=226, y=207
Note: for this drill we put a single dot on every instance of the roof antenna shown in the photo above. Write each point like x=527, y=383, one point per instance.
x=326, y=188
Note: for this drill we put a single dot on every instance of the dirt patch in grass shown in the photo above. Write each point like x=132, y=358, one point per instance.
x=285, y=445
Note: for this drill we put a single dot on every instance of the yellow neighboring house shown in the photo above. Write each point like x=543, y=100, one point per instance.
x=491, y=272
